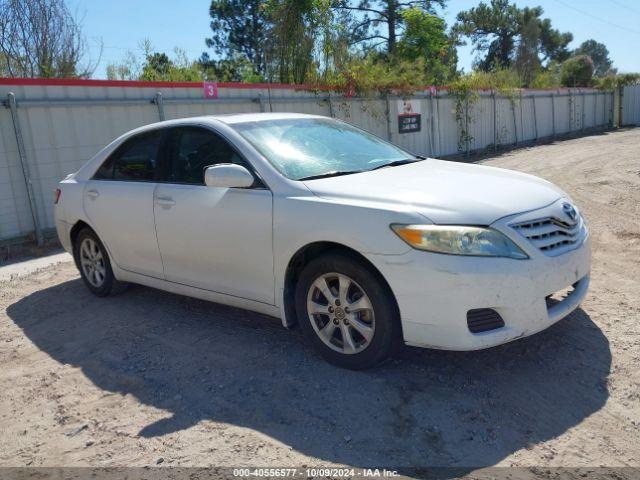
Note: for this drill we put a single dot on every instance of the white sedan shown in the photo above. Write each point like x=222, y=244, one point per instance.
x=362, y=244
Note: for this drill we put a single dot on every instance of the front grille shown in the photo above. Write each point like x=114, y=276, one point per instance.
x=551, y=235
x=483, y=319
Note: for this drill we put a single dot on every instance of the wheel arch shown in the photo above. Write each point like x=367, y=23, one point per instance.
x=73, y=236
x=310, y=252
x=76, y=229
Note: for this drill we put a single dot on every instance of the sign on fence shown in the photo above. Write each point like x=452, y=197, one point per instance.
x=409, y=117
x=211, y=90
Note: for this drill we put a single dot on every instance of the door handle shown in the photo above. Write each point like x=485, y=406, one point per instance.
x=93, y=194
x=165, y=201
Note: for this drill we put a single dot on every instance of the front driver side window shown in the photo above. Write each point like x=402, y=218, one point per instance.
x=194, y=150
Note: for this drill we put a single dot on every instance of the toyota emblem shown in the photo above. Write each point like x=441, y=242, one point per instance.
x=570, y=211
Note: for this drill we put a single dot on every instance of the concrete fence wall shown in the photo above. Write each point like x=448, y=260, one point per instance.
x=50, y=128
x=631, y=105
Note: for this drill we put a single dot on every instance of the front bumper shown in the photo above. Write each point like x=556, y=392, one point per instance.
x=435, y=291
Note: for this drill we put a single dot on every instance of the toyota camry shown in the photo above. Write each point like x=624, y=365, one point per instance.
x=362, y=244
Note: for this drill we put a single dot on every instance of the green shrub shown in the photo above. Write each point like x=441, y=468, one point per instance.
x=611, y=81
x=577, y=72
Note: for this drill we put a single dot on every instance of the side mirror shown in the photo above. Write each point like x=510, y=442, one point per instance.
x=227, y=175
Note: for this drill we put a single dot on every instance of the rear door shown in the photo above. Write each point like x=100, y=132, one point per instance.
x=118, y=201
x=218, y=239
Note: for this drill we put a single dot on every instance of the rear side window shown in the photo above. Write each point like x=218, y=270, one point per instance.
x=195, y=149
x=135, y=160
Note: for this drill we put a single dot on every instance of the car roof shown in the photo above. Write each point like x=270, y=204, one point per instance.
x=233, y=118
x=213, y=120
x=259, y=117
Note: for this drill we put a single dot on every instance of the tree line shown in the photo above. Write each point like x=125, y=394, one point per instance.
x=364, y=45
x=352, y=45
x=340, y=41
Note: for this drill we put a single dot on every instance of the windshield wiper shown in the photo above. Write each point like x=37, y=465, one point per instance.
x=335, y=173
x=395, y=163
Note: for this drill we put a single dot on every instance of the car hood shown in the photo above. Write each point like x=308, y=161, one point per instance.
x=443, y=191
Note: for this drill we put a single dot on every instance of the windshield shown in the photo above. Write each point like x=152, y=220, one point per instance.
x=309, y=147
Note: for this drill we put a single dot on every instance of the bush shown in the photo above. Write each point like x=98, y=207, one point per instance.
x=548, y=77
x=370, y=76
x=577, y=72
x=611, y=81
x=501, y=80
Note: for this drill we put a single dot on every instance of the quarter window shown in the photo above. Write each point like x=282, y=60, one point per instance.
x=194, y=150
x=105, y=172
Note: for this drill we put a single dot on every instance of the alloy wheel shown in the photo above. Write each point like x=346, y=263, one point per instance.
x=92, y=262
x=341, y=313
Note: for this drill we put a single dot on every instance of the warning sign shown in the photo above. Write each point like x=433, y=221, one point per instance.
x=409, y=116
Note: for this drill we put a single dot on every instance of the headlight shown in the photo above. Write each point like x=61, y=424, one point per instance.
x=459, y=240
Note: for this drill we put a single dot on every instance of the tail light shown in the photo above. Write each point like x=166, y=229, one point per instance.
x=56, y=197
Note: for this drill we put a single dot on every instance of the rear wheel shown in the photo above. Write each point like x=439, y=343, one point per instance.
x=347, y=312
x=93, y=262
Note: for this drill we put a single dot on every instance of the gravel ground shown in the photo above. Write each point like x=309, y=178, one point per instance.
x=151, y=378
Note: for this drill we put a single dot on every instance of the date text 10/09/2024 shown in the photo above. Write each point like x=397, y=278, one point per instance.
x=314, y=472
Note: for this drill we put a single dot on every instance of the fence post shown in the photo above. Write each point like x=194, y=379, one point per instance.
x=553, y=115
x=535, y=116
x=495, y=121
x=466, y=123
x=571, y=112
x=436, y=123
x=22, y=155
x=331, y=114
x=582, y=111
x=515, y=123
x=432, y=125
x=388, y=114
x=159, y=105
x=269, y=97
x=619, y=110
x=260, y=102
x=521, y=117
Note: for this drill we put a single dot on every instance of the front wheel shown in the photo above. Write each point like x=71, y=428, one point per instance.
x=347, y=312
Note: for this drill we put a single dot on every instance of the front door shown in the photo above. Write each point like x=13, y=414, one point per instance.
x=218, y=239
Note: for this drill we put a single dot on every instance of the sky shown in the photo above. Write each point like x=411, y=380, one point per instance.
x=121, y=25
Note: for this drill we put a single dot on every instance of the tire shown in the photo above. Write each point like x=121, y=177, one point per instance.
x=92, y=260
x=372, y=305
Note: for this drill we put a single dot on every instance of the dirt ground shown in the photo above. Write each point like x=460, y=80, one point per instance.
x=151, y=378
